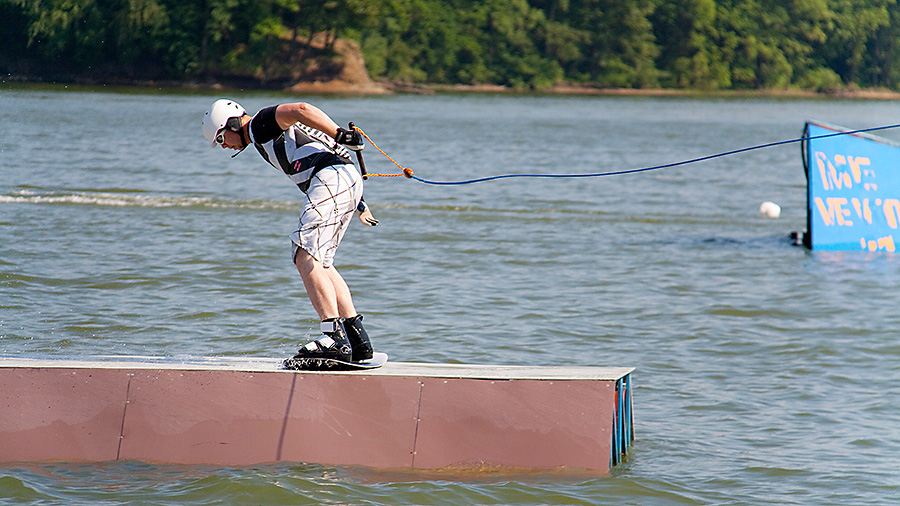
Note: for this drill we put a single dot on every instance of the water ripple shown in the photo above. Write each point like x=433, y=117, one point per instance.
x=137, y=198
x=766, y=374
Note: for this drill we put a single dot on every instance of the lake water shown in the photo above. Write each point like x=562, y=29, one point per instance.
x=765, y=373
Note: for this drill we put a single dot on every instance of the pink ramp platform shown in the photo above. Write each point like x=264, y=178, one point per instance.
x=229, y=411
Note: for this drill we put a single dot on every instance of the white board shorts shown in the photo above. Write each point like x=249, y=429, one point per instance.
x=331, y=200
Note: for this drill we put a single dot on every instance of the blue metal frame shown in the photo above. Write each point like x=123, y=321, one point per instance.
x=623, y=422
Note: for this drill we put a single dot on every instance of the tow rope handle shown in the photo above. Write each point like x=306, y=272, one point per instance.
x=359, y=157
x=362, y=166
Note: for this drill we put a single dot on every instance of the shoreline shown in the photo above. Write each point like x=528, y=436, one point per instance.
x=339, y=87
x=575, y=89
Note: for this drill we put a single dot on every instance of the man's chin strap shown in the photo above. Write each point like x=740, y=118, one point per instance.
x=245, y=139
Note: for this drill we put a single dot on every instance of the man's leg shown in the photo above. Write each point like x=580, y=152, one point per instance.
x=319, y=287
x=327, y=290
x=356, y=333
x=342, y=292
x=330, y=296
x=330, y=203
x=333, y=343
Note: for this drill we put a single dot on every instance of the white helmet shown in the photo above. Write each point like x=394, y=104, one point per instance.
x=218, y=115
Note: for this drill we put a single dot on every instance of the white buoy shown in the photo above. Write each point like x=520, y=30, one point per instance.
x=770, y=209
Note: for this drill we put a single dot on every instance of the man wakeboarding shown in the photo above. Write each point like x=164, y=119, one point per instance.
x=305, y=144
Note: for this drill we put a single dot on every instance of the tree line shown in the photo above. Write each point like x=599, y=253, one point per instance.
x=692, y=44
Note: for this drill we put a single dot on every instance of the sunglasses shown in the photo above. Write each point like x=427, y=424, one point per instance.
x=233, y=124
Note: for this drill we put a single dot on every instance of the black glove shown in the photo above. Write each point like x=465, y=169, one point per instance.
x=349, y=138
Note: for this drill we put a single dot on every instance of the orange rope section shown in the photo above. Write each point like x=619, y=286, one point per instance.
x=406, y=170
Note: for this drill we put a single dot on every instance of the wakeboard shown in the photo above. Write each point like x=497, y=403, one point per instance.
x=329, y=364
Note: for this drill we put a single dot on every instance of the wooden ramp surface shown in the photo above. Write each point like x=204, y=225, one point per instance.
x=241, y=411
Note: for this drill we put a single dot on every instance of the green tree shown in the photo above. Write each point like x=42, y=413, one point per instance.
x=80, y=34
x=856, y=22
x=607, y=42
x=690, y=54
x=881, y=64
x=701, y=44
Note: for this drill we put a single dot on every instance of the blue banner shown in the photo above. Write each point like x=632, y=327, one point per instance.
x=853, y=181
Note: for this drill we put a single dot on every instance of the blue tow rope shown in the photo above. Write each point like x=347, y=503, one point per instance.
x=655, y=167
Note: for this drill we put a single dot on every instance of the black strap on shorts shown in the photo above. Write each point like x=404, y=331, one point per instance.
x=317, y=161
